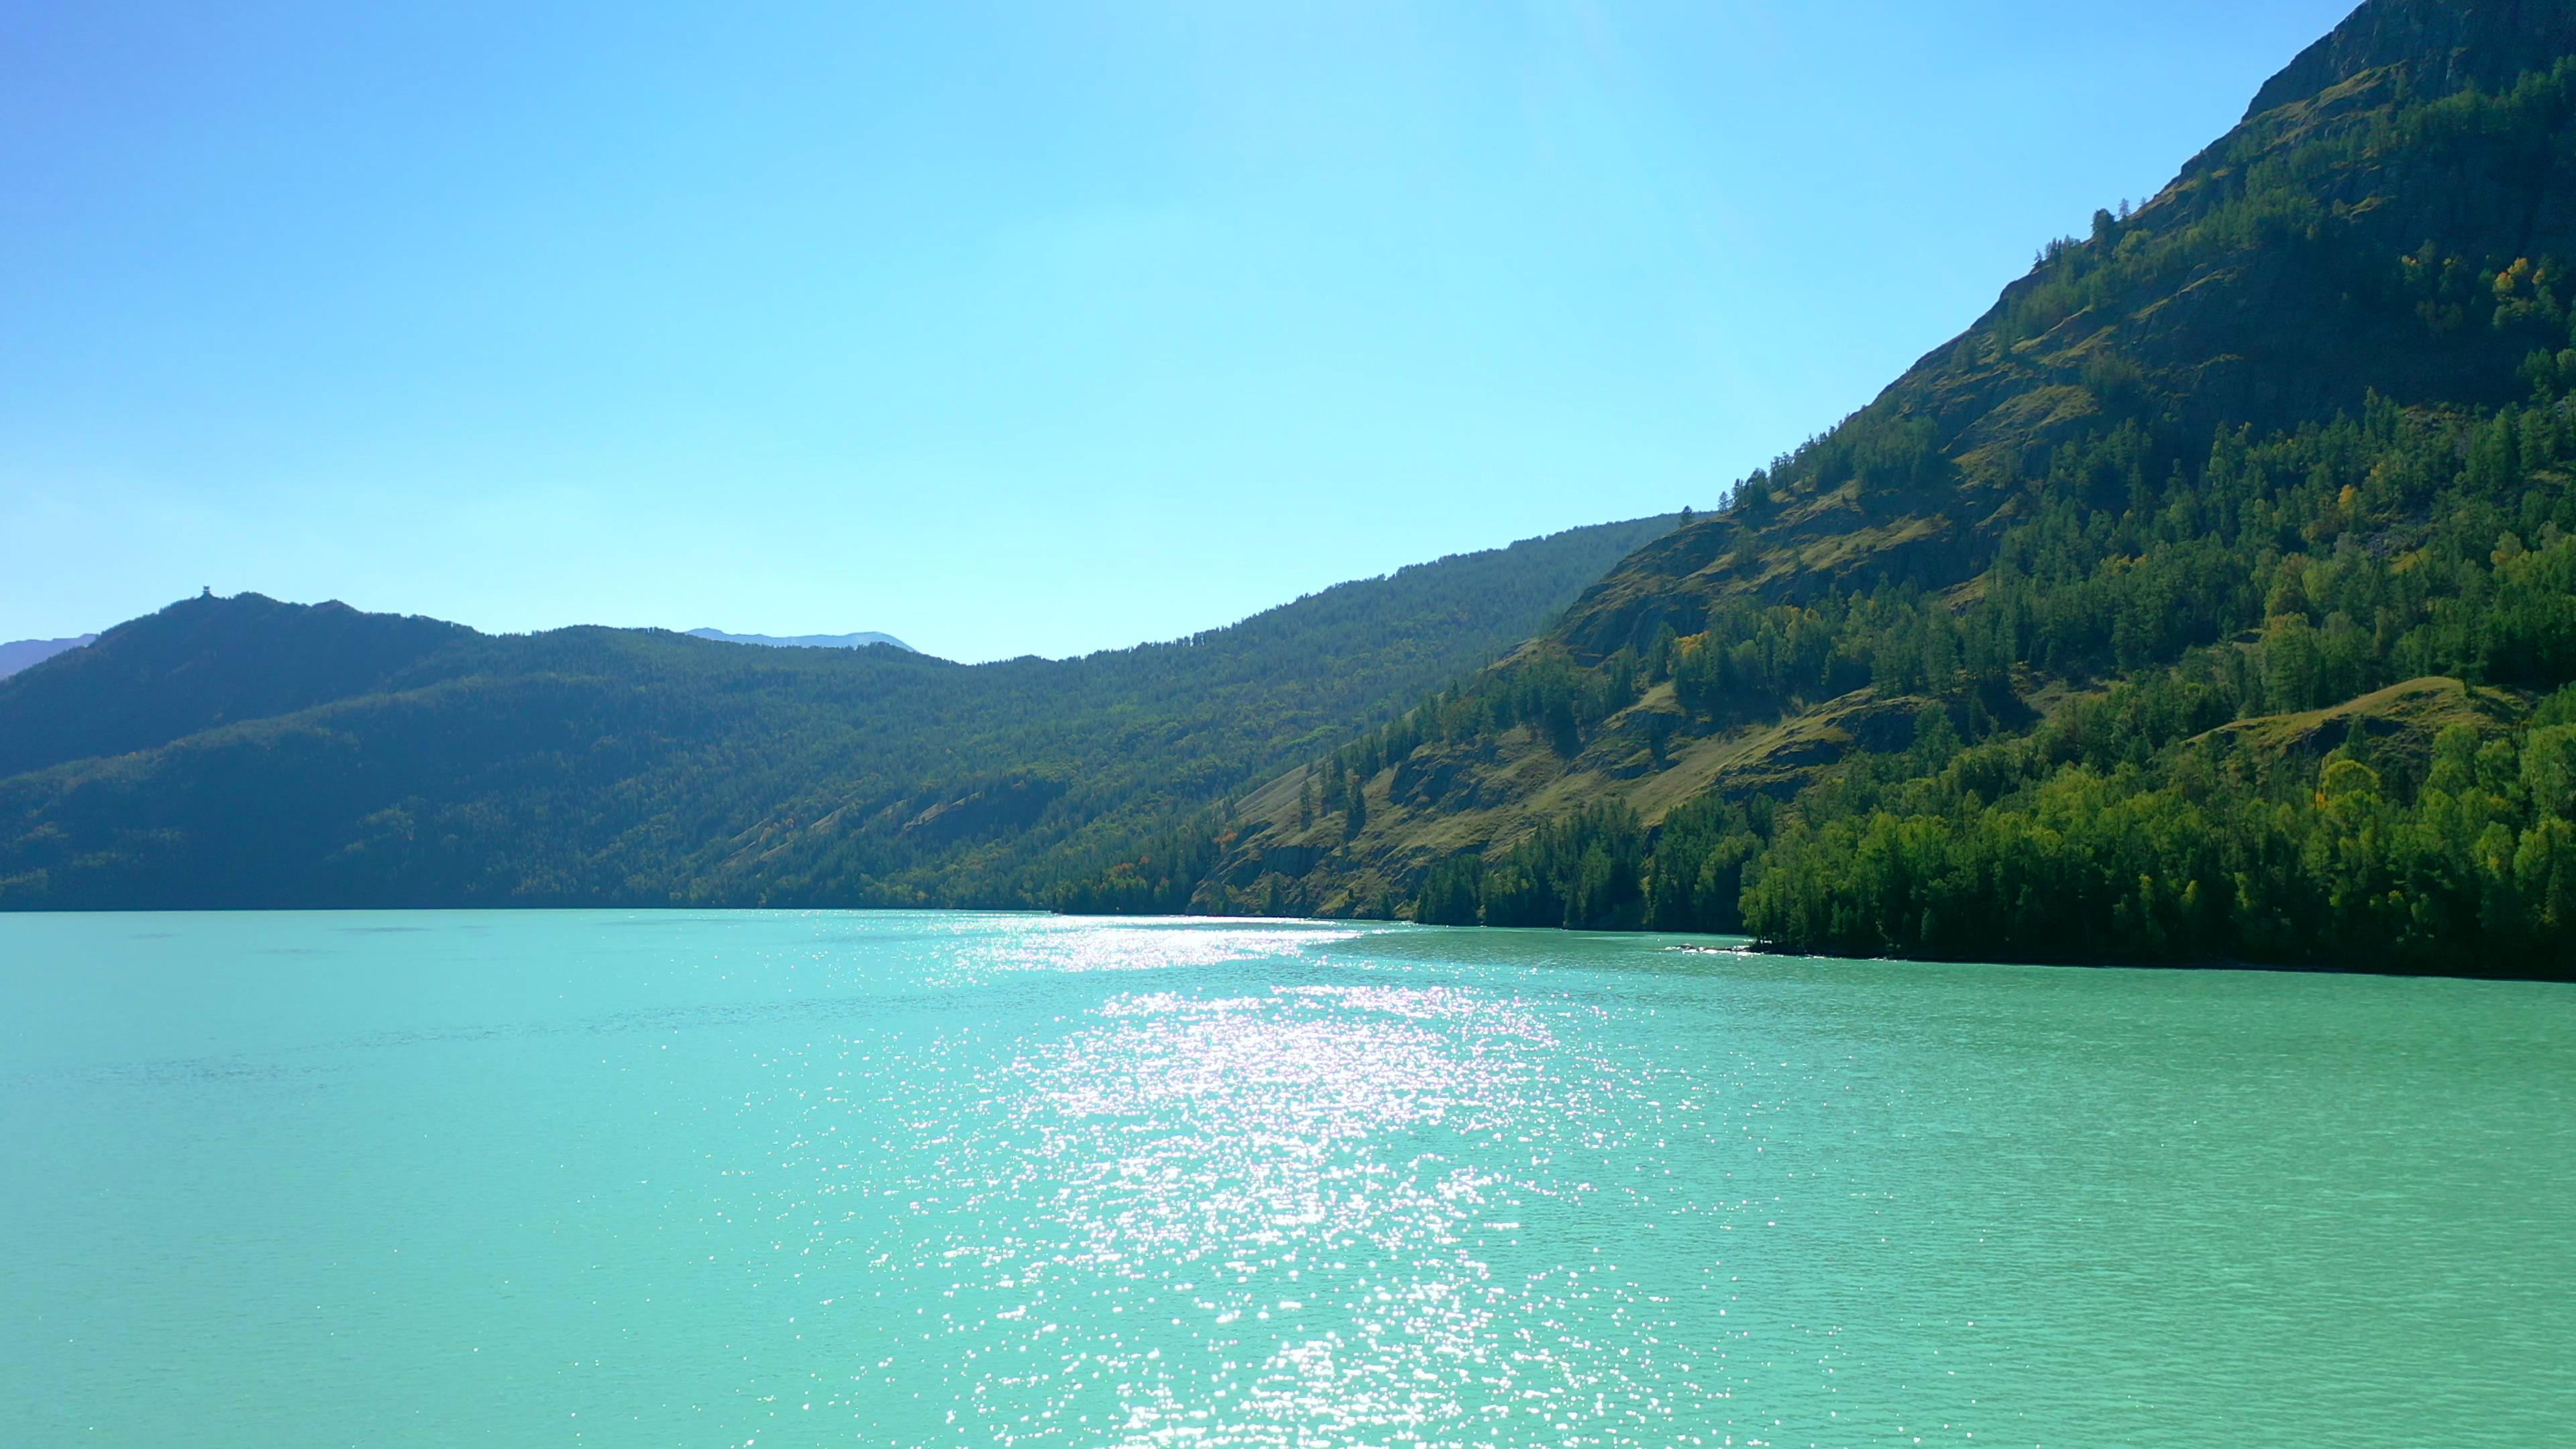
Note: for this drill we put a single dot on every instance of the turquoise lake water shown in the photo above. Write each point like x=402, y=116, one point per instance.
x=910, y=1180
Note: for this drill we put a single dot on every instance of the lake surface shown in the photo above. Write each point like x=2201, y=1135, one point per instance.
x=909, y=1180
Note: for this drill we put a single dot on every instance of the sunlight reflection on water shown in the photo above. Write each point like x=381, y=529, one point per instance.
x=1061, y=945
x=1262, y=1146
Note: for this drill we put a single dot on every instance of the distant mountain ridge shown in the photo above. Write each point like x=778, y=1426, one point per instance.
x=244, y=752
x=804, y=641
x=26, y=653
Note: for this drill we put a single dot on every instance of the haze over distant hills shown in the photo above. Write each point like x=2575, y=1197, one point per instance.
x=804, y=641
x=24, y=653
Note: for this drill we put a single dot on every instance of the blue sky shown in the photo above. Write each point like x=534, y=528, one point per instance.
x=1005, y=328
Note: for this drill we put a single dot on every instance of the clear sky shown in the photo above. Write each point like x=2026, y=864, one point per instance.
x=1002, y=327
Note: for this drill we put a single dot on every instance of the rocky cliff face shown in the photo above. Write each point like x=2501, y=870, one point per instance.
x=2444, y=47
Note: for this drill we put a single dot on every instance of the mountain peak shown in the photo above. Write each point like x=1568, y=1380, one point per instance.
x=2447, y=46
x=201, y=662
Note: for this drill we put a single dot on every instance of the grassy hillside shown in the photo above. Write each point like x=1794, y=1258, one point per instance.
x=242, y=752
x=2211, y=596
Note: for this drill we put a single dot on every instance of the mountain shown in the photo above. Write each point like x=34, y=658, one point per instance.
x=22, y=653
x=200, y=664
x=2213, y=596
x=803, y=641
x=237, y=752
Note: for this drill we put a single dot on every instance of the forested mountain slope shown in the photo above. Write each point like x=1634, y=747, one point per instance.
x=243, y=752
x=2211, y=597
x=199, y=664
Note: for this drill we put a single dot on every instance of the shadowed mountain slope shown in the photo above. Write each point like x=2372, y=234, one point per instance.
x=198, y=664
x=243, y=752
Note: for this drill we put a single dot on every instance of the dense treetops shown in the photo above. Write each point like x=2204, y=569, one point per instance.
x=239, y=752
x=202, y=663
